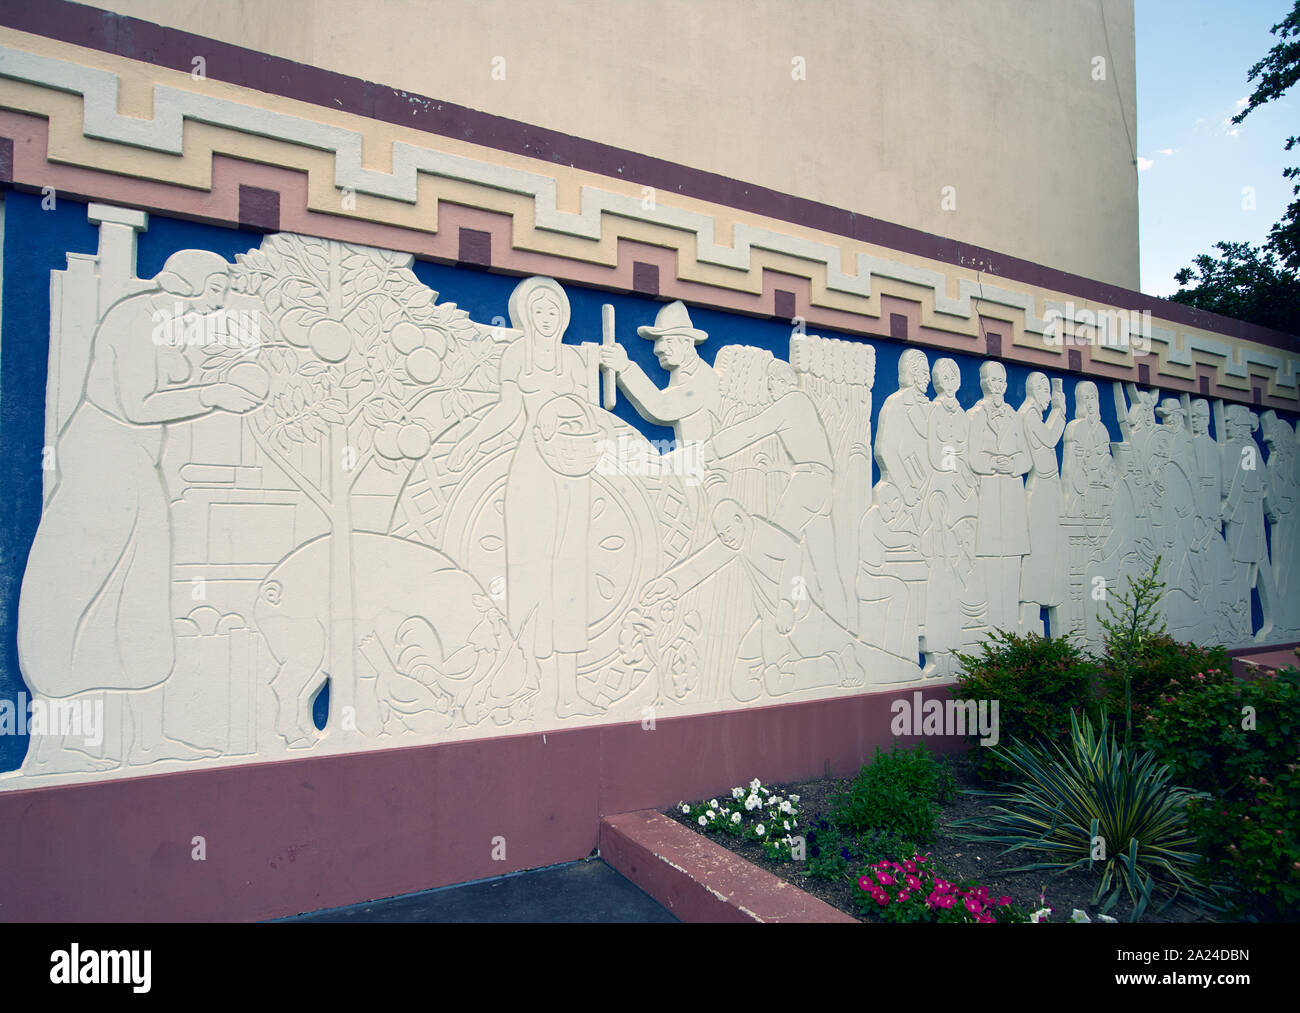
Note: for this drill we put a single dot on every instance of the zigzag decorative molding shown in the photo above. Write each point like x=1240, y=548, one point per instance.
x=164, y=133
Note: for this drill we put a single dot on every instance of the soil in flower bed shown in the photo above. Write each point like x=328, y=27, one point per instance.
x=963, y=860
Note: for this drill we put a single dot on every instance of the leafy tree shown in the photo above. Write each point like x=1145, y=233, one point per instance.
x=1277, y=72
x=1258, y=284
x=1245, y=283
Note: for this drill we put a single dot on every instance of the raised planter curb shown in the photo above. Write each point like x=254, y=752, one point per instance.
x=699, y=881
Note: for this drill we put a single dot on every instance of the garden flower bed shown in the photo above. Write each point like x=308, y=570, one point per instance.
x=1147, y=783
x=835, y=861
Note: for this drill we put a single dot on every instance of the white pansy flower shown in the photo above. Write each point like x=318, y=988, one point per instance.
x=702, y=821
x=794, y=798
x=786, y=824
x=1108, y=919
x=1040, y=915
x=755, y=784
x=752, y=802
x=737, y=792
x=786, y=807
x=713, y=803
x=685, y=808
x=759, y=830
x=735, y=817
x=1080, y=916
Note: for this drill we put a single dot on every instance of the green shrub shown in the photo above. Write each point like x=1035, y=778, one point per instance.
x=896, y=794
x=1158, y=660
x=1239, y=741
x=1100, y=805
x=832, y=853
x=1038, y=681
x=1195, y=727
x=1128, y=632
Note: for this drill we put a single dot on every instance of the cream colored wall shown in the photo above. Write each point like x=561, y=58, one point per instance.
x=995, y=98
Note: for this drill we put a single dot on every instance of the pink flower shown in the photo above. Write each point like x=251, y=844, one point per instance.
x=885, y=878
x=902, y=895
x=915, y=884
x=973, y=905
x=945, y=900
x=882, y=898
x=1003, y=901
x=942, y=885
x=865, y=884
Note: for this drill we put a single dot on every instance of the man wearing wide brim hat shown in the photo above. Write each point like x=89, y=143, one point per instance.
x=691, y=403
x=1172, y=409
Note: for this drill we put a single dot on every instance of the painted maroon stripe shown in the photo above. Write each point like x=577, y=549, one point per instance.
x=259, y=208
x=475, y=248
x=169, y=47
x=293, y=835
x=783, y=304
x=645, y=278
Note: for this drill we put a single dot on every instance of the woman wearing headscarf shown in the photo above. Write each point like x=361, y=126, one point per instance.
x=547, y=511
x=95, y=608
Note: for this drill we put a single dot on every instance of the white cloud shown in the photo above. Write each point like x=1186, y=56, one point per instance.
x=1241, y=102
x=1144, y=163
x=1167, y=151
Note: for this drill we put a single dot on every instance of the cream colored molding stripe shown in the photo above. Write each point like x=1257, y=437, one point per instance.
x=164, y=133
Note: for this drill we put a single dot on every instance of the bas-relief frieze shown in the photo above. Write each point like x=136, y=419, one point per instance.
x=305, y=467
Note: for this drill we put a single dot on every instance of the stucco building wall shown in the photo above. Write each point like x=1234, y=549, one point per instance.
x=1004, y=101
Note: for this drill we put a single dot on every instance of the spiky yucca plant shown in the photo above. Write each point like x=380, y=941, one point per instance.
x=1097, y=791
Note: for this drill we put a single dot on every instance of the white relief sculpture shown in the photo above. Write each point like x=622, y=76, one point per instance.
x=1245, y=502
x=838, y=375
x=1284, y=498
x=804, y=509
x=548, y=493
x=362, y=365
x=793, y=644
x=1000, y=456
x=99, y=617
x=952, y=597
x=421, y=636
x=726, y=602
x=1040, y=581
x=903, y=433
x=1186, y=599
x=889, y=612
x=949, y=445
x=1133, y=548
x=438, y=521
x=955, y=599
x=1088, y=479
x=690, y=402
x=1207, y=465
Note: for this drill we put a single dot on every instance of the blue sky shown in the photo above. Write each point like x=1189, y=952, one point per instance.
x=1192, y=60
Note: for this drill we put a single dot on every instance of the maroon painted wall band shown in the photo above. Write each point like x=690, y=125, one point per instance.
x=288, y=836
x=135, y=39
